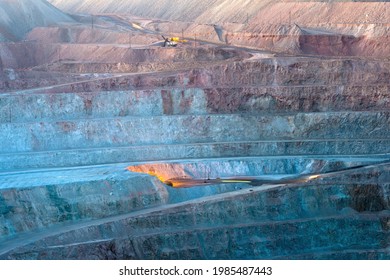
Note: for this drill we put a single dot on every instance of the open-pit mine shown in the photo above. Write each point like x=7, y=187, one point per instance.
x=194, y=129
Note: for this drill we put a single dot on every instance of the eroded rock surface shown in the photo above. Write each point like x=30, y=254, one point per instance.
x=95, y=115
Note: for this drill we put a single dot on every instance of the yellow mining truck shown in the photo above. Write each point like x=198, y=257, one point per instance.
x=173, y=41
x=178, y=40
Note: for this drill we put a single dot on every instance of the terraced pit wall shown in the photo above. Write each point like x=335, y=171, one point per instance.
x=256, y=108
x=273, y=116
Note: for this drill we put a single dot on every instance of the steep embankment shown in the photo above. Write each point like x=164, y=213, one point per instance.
x=325, y=13
x=208, y=11
x=335, y=30
x=19, y=16
x=339, y=28
x=241, y=11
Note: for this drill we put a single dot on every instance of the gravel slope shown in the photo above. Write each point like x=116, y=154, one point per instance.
x=183, y=10
x=240, y=11
x=17, y=17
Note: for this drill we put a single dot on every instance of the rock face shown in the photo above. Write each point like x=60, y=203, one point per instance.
x=90, y=131
x=281, y=26
x=254, y=108
x=276, y=117
x=325, y=224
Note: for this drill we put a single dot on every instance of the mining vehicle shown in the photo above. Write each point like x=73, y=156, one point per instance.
x=172, y=42
x=168, y=42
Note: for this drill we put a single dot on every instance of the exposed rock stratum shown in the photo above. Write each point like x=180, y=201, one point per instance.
x=265, y=134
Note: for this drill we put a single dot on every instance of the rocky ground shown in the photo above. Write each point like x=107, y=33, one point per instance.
x=96, y=115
